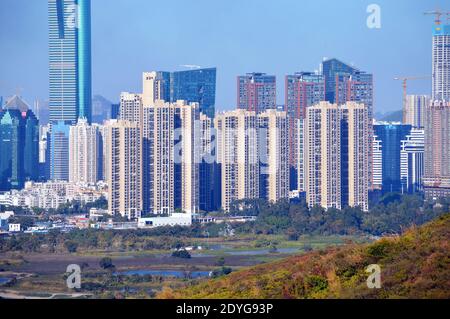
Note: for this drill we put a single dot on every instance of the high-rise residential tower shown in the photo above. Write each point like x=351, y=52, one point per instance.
x=437, y=118
x=155, y=86
x=441, y=62
x=131, y=107
x=123, y=153
x=273, y=155
x=237, y=155
x=437, y=150
x=256, y=92
x=302, y=89
x=337, y=148
x=170, y=163
x=345, y=83
x=84, y=150
x=414, y=110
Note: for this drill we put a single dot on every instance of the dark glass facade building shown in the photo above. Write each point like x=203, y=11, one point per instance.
x=194, y=86
x=19, y=148
x=391, y=137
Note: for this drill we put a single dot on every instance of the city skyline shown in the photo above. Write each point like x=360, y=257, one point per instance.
x=321, y=41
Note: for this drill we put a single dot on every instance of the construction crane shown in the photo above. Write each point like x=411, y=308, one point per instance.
x=405, y=80
x=438, y=14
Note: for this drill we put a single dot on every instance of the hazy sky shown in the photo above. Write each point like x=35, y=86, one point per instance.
x=236, y=36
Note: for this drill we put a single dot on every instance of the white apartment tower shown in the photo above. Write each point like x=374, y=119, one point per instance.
x=83, y=152
x=123, y=151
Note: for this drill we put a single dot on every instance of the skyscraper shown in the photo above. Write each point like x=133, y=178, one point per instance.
x=209, y=172
x=69, y=74
x=437, y=118
x=345, y=83
x=170, y=164
x=131, y=107
x=302, y=89
x=412, y=157
x=437, y=150
x=256, y=92
x=441, y=62
x=414, y=110
x=390, y=136
x=30, y=142
x=59, y=151
x=70, y=60
x=83, y=153
x=273, y=155
x=155, y=86
x=237, y=155
x=195, y=86
x=123, y=148
x=11, y=150
x=337, y=149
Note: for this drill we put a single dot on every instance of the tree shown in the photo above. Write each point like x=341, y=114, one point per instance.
x=181, y=254
x=71, y=246
x=106, y=263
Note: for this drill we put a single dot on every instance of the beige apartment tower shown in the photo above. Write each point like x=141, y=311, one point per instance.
x=123, y=152
x=131, y=107
x=170, y=160
x=237, y=154
x=336, y=155
x=273, y=155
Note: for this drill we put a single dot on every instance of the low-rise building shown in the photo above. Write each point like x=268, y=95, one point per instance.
x=176, y=219
x=14, y=228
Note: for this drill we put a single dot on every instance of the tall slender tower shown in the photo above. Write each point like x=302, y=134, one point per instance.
x=437, y=118
x=69, y=75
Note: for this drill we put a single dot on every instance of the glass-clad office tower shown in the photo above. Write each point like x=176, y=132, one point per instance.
x=390, y=137
x=197, y=86
x=69, y=72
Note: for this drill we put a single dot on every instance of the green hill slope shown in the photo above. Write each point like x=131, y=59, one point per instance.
x=414, y=265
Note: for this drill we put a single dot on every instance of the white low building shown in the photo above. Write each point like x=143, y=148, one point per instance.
x=176, y=219
x=14, y=228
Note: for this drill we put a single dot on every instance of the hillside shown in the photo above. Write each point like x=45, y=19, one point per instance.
x=414, y=265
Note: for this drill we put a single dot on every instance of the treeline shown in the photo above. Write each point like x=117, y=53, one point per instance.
x=391, y=215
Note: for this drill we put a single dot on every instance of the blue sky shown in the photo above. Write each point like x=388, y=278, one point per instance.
x=237, y=36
